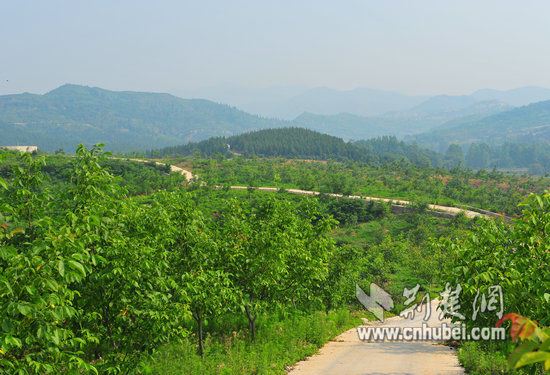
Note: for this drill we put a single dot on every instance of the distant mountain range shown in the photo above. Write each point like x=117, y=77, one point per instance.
x=414, y=121
x=527, y=124
x=288, y=102
x=128, y=121
x=125, y=121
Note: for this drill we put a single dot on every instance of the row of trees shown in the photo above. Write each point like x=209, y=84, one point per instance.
x=490, y=190
x=91, y=280
x=534, y=157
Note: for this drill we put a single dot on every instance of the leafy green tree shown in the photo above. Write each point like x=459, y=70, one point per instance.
x=196, y=262
x=273, y=253
x=454, y=156
x=39, y=262
x=210, y=293
x=514, y=257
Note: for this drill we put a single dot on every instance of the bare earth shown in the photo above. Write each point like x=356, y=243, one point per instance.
x=347, y=355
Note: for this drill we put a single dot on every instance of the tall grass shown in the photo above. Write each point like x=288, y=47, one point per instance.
x=278, y=345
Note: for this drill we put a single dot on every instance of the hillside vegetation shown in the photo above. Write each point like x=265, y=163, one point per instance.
x=526, y=124
x=307, y=144
x=126, y=120
x=284, y=142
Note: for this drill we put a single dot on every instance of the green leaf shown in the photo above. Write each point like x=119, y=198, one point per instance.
x=7, y=325
x=532, y=357
x=24, y=309
x=55, y=336
x=78, y=266
x=13, y=341
x=61, y=268
x=3, y=184
x=526, y=347
x=51, y=284
x=7, y=252
x=5, y=287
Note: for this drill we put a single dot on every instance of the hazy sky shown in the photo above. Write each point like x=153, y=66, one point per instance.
x=424, y=47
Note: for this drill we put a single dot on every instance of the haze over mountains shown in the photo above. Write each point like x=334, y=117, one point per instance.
x=288, y=102
x=527, y=124
x=126, y=121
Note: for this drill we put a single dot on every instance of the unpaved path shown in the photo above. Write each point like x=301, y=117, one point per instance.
x=347, y=355
x=432, y=207
x=188, y=175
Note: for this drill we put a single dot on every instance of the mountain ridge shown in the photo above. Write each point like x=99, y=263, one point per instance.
x=526, y=124
x=126, y=120
x=129, y=120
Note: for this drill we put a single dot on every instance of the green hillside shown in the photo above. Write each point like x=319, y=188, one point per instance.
x=124, y=121
x=431, y=114
x=307, y=144
x=526, y=124
x=285, y=142
x=127, y=121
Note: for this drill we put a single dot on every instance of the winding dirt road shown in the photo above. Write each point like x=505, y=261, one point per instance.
x=347, y=355
x=453, y=211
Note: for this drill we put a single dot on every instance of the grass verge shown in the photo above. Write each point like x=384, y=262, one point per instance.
x=278, y=345
x=488, y=358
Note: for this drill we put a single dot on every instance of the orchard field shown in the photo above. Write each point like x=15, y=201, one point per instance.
x=114, y=267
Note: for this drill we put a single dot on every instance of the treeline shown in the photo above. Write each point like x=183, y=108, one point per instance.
x=285, y=142
x=533, y=157
x=302, y=143
x=299, y=143
x=389, y=148
x=135, y=177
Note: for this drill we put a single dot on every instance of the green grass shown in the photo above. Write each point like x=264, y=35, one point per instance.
x=488, y=358
x=278, y=344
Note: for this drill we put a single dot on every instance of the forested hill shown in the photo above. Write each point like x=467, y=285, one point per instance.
x=307, y=144
x=125, y=121
x=286, y=142
x=528, y=124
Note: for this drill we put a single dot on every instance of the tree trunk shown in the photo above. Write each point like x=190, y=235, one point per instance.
x=251, y=322
x=198, y=319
